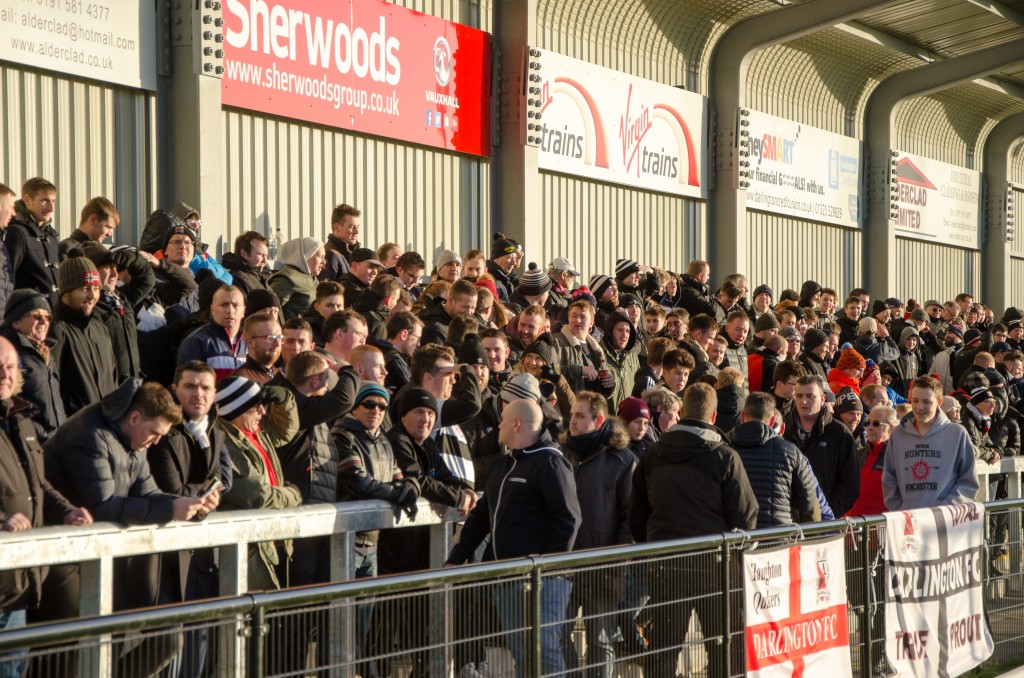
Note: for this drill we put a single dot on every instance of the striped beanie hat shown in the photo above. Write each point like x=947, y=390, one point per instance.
x=534, y=282
x=598, y=284
x=236, y=395
x=624, y=267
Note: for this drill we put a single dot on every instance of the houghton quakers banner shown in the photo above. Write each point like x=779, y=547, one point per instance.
x=937, y=202
x=935, y=567
x=802, y=171
x=362, y=65
x=610, y=126
x=795, y=603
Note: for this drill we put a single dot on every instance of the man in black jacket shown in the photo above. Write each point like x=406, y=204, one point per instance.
x=248, y=263
x=690, y=483
x=27, y=500
x=31, y=239
x=826, y=443
x=529, y=506
x=598, y=447
x=782, y=483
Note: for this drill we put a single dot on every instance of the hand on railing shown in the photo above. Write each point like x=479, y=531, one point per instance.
x=186, y=507
x=80, y=516
x=467, y=501
x=17, y=522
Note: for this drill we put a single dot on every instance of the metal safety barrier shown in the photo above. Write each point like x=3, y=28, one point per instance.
x=653, y=609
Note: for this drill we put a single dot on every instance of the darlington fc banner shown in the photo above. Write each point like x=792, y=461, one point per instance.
x=795, y=602
x=934, y=604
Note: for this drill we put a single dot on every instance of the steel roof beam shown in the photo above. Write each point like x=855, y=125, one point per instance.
x=1000, y=10
x=880, y=236
x=996, y=252
x=729, y=62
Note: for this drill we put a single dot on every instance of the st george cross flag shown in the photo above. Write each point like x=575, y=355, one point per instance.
x=796, y=611
x=935, y=605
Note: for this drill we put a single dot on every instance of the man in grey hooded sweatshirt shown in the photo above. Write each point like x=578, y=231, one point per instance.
x=930, y=460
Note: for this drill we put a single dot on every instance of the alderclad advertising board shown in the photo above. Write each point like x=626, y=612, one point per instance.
x=936, y=201
x=802, y=171
x=110, y=40
x=362, y=65
x=609, y=126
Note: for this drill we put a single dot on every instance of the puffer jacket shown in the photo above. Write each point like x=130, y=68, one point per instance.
x=42, y=382
x=761, y=366
x=436, y=322
x=84, y=357
x=251, y=487
x=375, y=313
x=783, y=486
x=529, y=506
x=88, y=462
x=908, y=365
x=34, y=252
x=690, y=483
x=354, y=288
x=24, y=489
x=366, y=468
x=622, y=364
x=293, y=284
x=695, y=296
x=246, y=277
x=731, y=400
x=603, y=468
x=830, y=449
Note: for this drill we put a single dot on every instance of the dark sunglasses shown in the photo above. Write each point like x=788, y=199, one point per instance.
x=877, y=423
x=370, y=405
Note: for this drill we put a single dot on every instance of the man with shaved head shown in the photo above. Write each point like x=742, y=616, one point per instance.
x=529, y=506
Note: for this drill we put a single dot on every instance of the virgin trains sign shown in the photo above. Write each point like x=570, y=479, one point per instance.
x=605, y=125
x=367, y=66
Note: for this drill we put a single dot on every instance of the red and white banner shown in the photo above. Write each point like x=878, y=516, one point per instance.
x=935, y=566
x=610, y=126
x=362, y=65
x=795, y=602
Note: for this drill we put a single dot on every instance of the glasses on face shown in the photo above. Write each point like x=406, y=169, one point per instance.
x=272, y=338
x=373, y=405
x=790, y=383
x=873, y=424
x=40, y=317
x=182, y=242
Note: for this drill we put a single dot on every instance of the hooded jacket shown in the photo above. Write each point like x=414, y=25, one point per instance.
x=42, y=382
x=84, y=357
x=695, y=296
x=293, y=284
x=436, y=322
x=871, y=348
x=339, y=253
x=907, y=366
x=24, y=489
x=6, y=274
x=504, y=282
x=807, y=291
x=735, y=356
x=977, y=428
x=838, y=379
x=375, y=313
x=529, y=506
x=34, y=252
x=731, y=400
x=622, y=364
x=815, y=365
x=934, y=469
x=246, y=277
x=783, y=486
x=690, y=483
x=117, y=311
x=603, y=468
x=761, y=366
x=830, y=449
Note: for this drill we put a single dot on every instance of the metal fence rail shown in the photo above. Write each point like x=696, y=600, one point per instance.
x=652, y=609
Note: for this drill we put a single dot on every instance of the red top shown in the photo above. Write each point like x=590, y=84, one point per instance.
x=254, y=438
x=871, y=502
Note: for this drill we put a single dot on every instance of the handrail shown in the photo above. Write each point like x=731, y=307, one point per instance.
x=1004, y=465
x=58, y=545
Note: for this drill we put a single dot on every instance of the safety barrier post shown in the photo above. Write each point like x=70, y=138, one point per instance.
x=726, y=622
x=96, y=598
x=234, y=581
x=341, y=634
x=257, y=642
x=536, y=630
x=440, y=628
x=865, y=616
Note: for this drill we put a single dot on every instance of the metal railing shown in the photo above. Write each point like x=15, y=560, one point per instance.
x=437, y=622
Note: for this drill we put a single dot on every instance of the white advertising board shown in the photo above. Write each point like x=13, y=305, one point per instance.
x=110, y=40
x=937, y=202
x=610, y=126
x=802, y=171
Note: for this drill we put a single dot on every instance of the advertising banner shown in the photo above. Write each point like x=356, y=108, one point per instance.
x=937, y=202
x=606, y=125
x=362, y=65
x=111, y=40
x=802, y=171
x=934, y=604
x=795, y=602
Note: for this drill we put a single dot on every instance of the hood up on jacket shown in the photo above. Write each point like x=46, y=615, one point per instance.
x=155, y=231
x=689, y=439
x=808, y=290
x=116, y=404
x=296, y=251
x=613, y=320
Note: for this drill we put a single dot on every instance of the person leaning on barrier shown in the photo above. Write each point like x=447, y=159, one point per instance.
x=27, y=499
x=256, y=421
x=927, y=435
x=529, y=506
x=690, y=483
x=97, y=459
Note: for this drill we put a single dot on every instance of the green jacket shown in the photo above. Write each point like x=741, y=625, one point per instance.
x=295, y=288
x=251, y=488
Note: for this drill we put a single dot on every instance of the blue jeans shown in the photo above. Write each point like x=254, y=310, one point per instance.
x=366, y=566
x=13, y=662
x=511, y=601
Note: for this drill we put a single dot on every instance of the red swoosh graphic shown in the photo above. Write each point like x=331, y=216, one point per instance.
x=693, y=176
x=600, y=144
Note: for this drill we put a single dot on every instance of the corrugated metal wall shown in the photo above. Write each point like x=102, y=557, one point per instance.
x=927, y=271
x=87, y=138
x=594, y=223
x=291, y=174
x=785, y=252
x=1017, y=162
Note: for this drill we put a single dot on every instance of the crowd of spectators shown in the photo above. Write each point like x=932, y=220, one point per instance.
x=150, y=383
